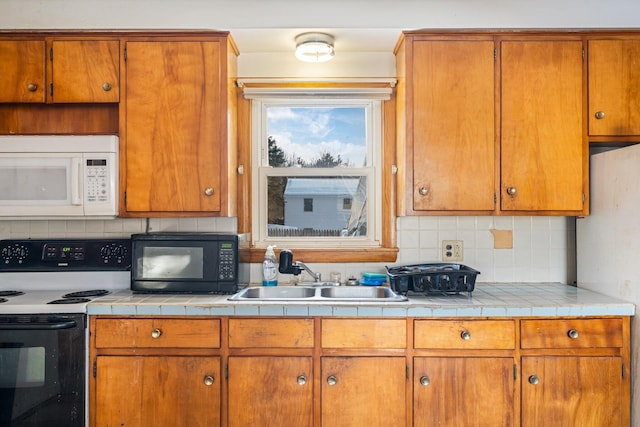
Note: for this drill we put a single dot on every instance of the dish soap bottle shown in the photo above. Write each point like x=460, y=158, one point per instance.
x=269, y=268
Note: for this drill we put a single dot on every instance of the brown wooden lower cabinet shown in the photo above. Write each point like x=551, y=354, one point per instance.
x=363, y=391
x=157, y=391
x=359, y=372
x=584, y=391
x=463, y=391
x=270, y=391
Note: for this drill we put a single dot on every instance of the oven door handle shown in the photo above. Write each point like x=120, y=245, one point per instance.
x=38, y=326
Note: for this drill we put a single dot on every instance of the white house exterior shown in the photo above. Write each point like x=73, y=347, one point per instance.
x=319, y=203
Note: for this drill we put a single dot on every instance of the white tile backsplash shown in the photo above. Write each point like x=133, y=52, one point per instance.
x=543, y=247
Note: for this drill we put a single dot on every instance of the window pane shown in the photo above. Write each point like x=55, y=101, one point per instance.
x=316, y=136
x=317, y=206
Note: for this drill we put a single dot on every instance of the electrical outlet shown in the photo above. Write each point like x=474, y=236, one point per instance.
x=452, y=250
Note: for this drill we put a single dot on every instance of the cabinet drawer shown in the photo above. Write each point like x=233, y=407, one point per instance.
x=252, y=333
x=158, y=333
x=571, y=333
x=364, y=333
x=467, y=334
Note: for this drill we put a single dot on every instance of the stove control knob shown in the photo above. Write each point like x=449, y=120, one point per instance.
x=156, y=333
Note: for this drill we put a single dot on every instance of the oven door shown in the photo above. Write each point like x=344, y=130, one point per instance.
x=42, y=370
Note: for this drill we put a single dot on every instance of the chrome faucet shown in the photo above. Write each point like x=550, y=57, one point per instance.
x=317, y=277
x=288, y=266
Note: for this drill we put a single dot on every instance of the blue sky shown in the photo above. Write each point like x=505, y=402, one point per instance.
x=307, y=132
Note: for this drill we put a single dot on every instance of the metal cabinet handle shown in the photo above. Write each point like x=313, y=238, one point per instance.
x=156, y=333
x=208, y=191
x=106, y=86
x=533, y=379
x=573, y=334
x=208, y=380
x=465, y=335
x=423, y=190
x=511, y=191
x=424, y=381
x=599, y=115
x=302, y=379
x=32, y=87
x=332, y=380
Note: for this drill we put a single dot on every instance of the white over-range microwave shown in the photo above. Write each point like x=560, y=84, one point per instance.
x=58, y=176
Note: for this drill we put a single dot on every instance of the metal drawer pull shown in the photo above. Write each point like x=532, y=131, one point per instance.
x=156, y=333
x=533, y=379
x=600, y=115
x=302, y=380
x=465, y=335
x=32, y=87
x=573, y=334
x=425, y=381
x=106, y=86
x=511, y=191
x=423, y=191
x=208, y=380
x=208, y=191
x=332, y=380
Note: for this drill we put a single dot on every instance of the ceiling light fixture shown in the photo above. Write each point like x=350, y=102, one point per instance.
x=314, y=47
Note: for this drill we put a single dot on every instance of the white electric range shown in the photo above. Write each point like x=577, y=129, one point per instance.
x=45, y=286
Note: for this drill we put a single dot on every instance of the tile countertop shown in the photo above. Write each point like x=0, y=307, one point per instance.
x=487, y=300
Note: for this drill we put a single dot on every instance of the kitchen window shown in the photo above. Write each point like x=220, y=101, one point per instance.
x=316, y=167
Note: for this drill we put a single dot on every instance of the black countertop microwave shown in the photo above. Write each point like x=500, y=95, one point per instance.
x=184, y=263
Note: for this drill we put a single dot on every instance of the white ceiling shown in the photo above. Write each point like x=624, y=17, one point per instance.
x=345, y=39
x=260, y=26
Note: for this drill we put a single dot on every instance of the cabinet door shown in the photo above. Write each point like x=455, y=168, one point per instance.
x=85, y=71
x=469, y=391
x=572, y=391
x=159, y=391
x=453, y=125
x=173, y=126
x=22, y=71
x=614, y=84
x=270, y=391
x=363, y=391
x=542, y=141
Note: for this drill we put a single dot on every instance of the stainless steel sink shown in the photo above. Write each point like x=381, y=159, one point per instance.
x=358, y=292
x=276, y=292
x=317, y=293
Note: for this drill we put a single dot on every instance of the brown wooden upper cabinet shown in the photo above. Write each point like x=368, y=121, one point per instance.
x=176, y=128
x=491, y=124
x=614, y=87
x=450, y=93
x=543, y=163
x=61, y=71
x=85, y=71
x=22, y=65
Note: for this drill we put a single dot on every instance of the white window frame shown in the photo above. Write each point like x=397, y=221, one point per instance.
x=369, y=98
